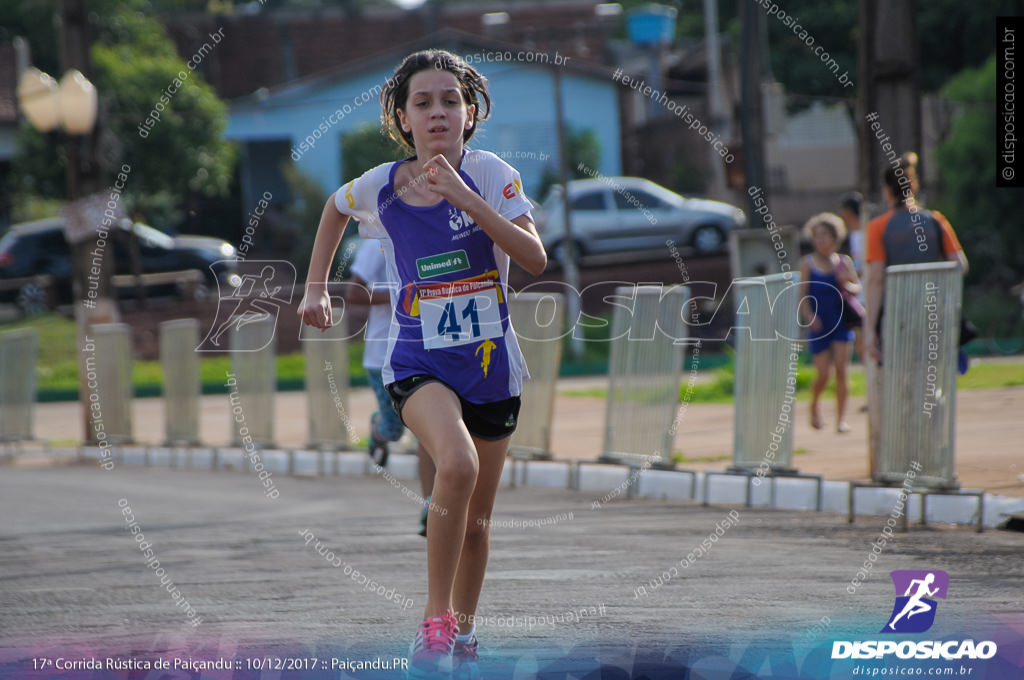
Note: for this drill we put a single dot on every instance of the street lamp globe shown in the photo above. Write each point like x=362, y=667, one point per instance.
x=37, y=96
x=77, y=102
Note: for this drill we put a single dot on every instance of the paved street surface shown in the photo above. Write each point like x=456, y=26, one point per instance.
x=73, y=577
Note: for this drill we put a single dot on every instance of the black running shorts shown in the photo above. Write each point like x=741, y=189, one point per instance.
x=490, y=421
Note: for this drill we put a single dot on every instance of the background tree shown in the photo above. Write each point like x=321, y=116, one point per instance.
x=584, y=155
x=986, y=218
x=134, y=62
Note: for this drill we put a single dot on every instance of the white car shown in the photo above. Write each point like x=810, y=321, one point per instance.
x=622, y=214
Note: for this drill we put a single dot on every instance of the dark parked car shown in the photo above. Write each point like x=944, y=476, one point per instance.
x=36, y=248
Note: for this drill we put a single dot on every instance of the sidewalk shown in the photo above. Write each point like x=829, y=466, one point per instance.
x=989, y=432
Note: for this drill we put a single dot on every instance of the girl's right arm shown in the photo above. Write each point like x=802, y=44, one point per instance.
x=315, y=308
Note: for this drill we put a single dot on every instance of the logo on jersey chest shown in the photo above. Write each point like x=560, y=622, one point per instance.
x=443, y=263
x=457, y=219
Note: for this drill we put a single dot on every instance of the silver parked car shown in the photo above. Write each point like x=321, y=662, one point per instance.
x=622, y=214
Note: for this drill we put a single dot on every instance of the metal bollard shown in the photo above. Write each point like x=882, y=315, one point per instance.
x=766, y=363
x=110, y=364
x=327, y=385
x=644, y=373
x=538, y=319
x=18, y=352
x=920, y=332
x=252, y=384
x=181, y=386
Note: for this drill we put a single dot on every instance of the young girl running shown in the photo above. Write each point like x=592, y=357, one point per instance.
x=449, y=219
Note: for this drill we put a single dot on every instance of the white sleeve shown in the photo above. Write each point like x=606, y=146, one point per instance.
x=499, y=183
x=358, y=199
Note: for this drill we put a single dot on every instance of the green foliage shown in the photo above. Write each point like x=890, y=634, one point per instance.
x=364, y=149
x=307, y=204
x=687, y=178
x=985, y=217
x=134, y=66
x=584, y=152
x=29, y=207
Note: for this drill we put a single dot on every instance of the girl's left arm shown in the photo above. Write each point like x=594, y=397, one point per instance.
x=516, y=237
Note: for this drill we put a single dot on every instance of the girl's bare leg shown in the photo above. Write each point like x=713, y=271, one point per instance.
x=823, y=364
x=434, y=415
x=476, y=547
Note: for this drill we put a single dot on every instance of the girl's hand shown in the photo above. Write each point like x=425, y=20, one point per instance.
x=315, y=309
x=443, y=180
x=816, y=325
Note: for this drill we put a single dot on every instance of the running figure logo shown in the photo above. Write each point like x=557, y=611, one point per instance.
x=258, y=297
x=914, y=611
x=486, y=346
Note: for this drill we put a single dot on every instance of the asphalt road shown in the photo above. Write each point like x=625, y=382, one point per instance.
x=72, y=574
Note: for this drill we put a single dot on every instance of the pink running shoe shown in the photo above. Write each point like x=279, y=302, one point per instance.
x=465, y=656
x=431, y=652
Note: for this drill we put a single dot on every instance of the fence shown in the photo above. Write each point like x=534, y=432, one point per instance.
x=18, y=351
x=253, y=381
x=920, y=333
x=765, y=385
x=644, y=373
x=181, y=386
x=109, y=363
x=538, y=319
x=327, y=385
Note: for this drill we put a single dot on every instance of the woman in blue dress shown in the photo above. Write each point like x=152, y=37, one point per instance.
x=823, y=275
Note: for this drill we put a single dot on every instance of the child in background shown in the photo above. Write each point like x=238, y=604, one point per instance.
x=369, y=272
x=851, y=207
x=823, y=274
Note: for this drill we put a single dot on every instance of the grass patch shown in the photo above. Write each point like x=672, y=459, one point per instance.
x=57, y=363
x=680, y=458
x=719, y=388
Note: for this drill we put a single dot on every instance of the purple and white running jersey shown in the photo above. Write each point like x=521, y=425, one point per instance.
x=449, y=309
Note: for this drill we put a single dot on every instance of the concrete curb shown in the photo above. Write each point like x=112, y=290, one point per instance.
x=603, y=481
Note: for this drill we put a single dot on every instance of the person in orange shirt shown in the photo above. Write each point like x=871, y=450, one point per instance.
x=907, y=234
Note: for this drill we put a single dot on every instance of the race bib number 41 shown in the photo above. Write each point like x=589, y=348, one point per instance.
x=459, y=313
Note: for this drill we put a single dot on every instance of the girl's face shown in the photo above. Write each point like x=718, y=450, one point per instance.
x=435, y=113
x=824, y=242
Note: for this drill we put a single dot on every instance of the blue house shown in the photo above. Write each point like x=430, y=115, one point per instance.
x=306, y=119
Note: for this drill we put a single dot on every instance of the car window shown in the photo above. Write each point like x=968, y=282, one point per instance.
x=8, y=241
x=591, y=200
x=635, y=199
x=152, y=238
x=53, y=244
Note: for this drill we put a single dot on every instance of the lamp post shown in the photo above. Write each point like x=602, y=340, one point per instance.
x=71, y=107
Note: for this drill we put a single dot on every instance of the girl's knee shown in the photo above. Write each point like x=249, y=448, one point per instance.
x=478, y=531
x=459, y=469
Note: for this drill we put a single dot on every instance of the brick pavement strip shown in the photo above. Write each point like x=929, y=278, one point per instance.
x=72, y=575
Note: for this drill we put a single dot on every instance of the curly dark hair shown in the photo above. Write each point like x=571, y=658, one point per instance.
x=395, y=92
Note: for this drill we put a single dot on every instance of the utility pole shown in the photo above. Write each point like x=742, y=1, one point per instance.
x=569, y=250
x=718, y=189
x=751, y=105
x=887, y=65
x=84, y=180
